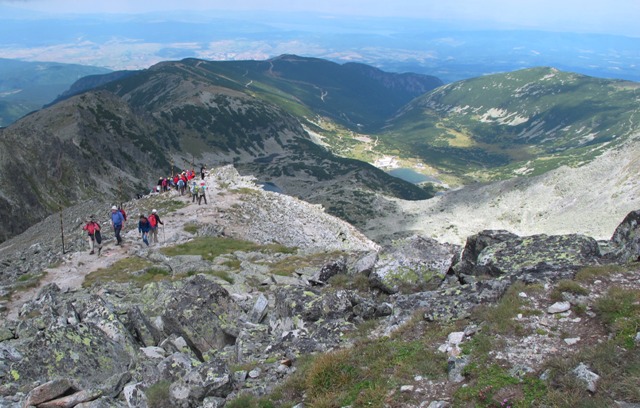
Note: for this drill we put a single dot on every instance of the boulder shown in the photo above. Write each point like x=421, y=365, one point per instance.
x=203, y=313
x=474, y=246
x=331, y=269
x=413, y=264
x=49, y=391
x=210, y=379
x=538, y=257
x=84, y=354
x=625, y=241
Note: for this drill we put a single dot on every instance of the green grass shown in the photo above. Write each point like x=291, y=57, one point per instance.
x=136, y=270
x=568, y=286
x=619, y=309
x=158, y=395
x=28, y=281
x=287, y=266
x=212, y=247
x=618, y=368
x=191, y=228
x=500, y=318
x=591, y=273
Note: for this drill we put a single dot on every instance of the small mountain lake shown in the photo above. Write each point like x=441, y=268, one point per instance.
x=412, y=176
x=269, y=186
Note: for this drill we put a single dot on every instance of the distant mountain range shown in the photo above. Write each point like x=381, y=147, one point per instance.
x=28, y=86
x=116, y=139
x=519, y=123
x=112, y=136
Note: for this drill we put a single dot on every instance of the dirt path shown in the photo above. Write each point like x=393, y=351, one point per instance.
x=71, y=273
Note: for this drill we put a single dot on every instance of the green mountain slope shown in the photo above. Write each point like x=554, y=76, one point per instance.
x=114, y=141
x=27, y=86
x=523, y=122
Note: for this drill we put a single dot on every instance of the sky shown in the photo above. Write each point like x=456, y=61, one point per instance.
x=595, y=16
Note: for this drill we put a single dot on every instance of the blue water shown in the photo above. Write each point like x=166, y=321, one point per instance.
x=269, y=186
x=411, y=176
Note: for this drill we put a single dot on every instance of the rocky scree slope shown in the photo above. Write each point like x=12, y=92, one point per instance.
x=215, y=327
x=590, y=200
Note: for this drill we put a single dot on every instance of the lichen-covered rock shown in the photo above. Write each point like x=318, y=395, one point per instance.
x=81, y=353
x=331, y=269
x=625, y=241
x=210, y=379
x=413, y=264
x=48, y=391
x=204, y=314
x=538, y=256
x=141, y=328
x=474, y=246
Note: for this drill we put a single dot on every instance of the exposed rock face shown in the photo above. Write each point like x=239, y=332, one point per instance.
x=626, y=239
x=504, y=254
x=412, y=264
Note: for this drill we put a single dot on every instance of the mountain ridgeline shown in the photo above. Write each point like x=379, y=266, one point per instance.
x=115, y=140
x=518, y=123
x=28, y=86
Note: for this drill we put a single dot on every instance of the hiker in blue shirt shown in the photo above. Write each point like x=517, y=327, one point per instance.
x=117, y=220
x=143, y=228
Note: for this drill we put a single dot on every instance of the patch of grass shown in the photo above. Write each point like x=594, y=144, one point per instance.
x=357, y=282
x=158, y=395
x=28, y=281
x=363, y=375
x=287, y=266
x=618, y=368
x=619, y=309
x=212, y=247
x=500, y=318
x=191, y=228
x=224, y=275
x=133, y=269
x=492, y=386
x=591, y=273
x=567, y=286
x=249, y=401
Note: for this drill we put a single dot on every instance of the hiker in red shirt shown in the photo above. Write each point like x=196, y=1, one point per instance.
x=93, y=229
x=154, y=220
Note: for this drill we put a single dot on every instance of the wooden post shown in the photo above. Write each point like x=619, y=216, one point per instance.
x=62, y=230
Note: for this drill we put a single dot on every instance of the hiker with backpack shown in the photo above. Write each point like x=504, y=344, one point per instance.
x=194, y=192
x=95, y=238
x=154, y=221
x=117, y=221
x=201, y=193
x=144, y=226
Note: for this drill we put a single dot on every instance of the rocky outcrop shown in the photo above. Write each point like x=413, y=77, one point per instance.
x=413, y=264
x=625, y=241
x=533, y=258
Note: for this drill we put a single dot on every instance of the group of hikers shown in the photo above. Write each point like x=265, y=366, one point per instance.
x=148, y=226
x=183, y=181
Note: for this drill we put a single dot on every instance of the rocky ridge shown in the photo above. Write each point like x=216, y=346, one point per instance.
x=214, y=328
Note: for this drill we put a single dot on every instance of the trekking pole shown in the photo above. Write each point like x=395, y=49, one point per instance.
x=164, y=237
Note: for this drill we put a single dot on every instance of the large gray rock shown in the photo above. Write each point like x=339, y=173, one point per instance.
x=474, y=246
x=204, y=314
x=537, y=257
x=210, y=379
x=625, y=241
x=82, y=353
x=413, y=264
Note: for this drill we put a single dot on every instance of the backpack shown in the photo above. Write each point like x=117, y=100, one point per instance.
x=124, y=214
x=153, y=220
